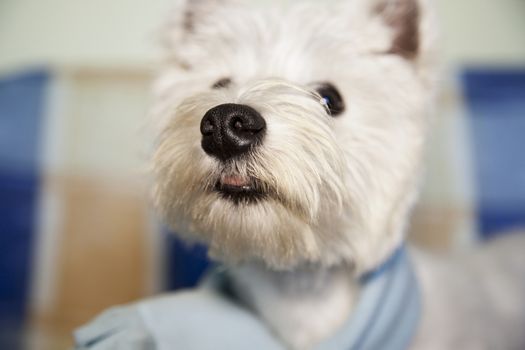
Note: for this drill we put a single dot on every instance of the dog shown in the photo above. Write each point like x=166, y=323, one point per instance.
x=290, y=143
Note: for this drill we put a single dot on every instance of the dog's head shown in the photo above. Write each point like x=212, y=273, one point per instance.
x=293, y=134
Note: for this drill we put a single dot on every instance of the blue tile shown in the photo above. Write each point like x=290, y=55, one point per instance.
x=185, y=263
x=496, y=103
x=22, y=102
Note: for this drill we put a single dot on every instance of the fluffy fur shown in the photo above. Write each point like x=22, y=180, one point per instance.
x=338, y=189
x=337, y=184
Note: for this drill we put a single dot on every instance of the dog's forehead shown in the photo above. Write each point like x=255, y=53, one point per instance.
x=299, y=43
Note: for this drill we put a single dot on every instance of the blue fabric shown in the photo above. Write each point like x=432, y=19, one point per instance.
x=22, y=104
x=496, y=102
x=388, y=310
x=201, y=319
x=389, y=264
x=185, y=264
x=207, y=318
x=18, y=196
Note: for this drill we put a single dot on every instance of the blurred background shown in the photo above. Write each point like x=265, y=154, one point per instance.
x=77, y=234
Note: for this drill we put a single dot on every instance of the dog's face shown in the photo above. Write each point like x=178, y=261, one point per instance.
x=293, y=135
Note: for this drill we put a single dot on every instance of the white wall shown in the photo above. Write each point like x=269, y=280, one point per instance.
x=483, y=31
x=79, y=33
x=121, y=32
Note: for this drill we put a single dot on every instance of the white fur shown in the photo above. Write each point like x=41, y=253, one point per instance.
x=342, y=182
x=474, y=300
x=341, y=189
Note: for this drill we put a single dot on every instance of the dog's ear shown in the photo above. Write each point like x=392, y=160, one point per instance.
x=404, y=18
x=194, y=11
x=187, y=19
x=414, y=33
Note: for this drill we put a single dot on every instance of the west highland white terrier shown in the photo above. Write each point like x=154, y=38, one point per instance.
x=291, y=143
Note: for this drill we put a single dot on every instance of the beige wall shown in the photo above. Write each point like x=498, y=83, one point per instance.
x=483, y=31
x=121, y=32
x=65, y=32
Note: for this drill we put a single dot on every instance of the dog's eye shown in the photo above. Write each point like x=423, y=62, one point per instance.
x=222, y=83
x=331, y=99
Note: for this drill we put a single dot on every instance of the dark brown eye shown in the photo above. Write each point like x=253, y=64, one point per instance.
x=222, y=83
x=331, y=99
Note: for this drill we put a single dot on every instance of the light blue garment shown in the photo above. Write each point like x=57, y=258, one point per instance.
x=387, y=313
x=201, y=319
x=208, y=318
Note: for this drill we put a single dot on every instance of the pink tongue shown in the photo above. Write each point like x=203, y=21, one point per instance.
x=235, y=180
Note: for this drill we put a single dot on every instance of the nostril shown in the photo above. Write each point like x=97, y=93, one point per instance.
x=237, y=123
x=246, y=124
x=207, y=127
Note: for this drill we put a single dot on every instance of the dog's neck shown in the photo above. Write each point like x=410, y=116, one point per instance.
x=302, y=307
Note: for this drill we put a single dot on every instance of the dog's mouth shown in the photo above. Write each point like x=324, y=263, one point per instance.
x=240, y=189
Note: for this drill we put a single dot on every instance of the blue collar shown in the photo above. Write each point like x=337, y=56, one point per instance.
x=387, y=313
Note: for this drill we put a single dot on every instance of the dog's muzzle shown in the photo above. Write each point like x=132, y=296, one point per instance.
x=231, y=130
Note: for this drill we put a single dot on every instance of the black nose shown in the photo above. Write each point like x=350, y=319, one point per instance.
x=230, y=130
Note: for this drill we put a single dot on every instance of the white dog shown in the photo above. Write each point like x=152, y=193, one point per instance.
x=291, y=142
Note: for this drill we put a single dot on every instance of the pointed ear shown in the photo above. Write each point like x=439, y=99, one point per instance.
x=192, y=11
x=403, y=17
x=186, y=19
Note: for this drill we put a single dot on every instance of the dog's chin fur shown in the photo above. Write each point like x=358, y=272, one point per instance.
x=327, y=190
x=297, y=176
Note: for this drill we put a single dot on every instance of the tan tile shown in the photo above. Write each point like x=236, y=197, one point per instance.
x=103, y=256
